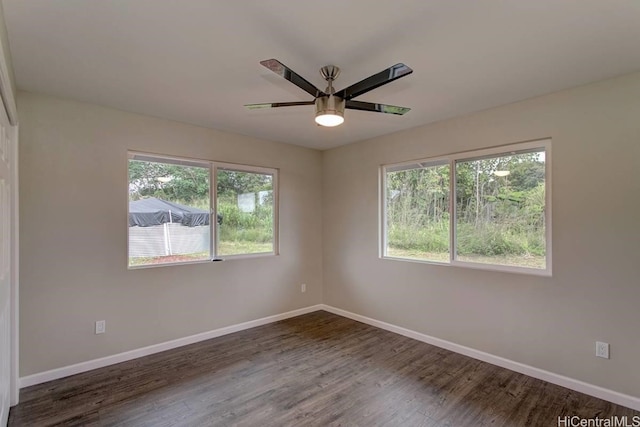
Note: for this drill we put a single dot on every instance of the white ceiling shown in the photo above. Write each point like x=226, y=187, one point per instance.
x=197, y=61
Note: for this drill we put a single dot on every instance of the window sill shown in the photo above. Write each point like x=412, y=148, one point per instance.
x=478, y=266
x=204, y=261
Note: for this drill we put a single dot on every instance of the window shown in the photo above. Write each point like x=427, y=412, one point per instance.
x=246, y=211
x=418, y=211
x=170, y=205
x=498, y=219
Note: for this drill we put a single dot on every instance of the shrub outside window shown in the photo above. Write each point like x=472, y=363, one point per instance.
x=170, y=207
x=498, y=219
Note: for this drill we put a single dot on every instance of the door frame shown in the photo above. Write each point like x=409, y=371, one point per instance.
x=7, y=95
x=14, y=382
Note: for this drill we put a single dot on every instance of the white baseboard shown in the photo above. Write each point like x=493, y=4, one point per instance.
x=89, y=365
x=570, y=383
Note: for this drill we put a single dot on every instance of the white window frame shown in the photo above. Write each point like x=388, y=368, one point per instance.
x=451, y=160
x=213, y=167
x=214, y=205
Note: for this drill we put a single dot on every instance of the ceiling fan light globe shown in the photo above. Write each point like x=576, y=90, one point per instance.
x=329, y=120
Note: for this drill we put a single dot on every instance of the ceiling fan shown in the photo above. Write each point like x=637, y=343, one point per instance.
x=330, y=104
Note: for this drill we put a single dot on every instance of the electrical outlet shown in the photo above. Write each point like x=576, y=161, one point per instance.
x=303, y=288
x=101, y=326
x=602, y=349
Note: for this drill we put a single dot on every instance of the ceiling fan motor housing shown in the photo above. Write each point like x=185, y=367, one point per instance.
x=330, y=104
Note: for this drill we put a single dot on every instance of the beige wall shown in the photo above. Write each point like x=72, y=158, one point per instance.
x=73, y=231
x=549, y=323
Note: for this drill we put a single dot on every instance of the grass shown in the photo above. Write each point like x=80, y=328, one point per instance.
x=243, y=247
x=531, y=261
x=138, y=261
x=418, y=254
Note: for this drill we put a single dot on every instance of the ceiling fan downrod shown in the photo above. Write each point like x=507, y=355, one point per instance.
x=330, y=73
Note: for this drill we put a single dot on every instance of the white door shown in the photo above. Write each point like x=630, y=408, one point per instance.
x=7, y=222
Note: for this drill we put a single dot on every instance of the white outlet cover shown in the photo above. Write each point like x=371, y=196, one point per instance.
x=602, y=349
x=101, y=327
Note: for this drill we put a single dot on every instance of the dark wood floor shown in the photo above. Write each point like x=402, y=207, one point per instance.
x=313, y=370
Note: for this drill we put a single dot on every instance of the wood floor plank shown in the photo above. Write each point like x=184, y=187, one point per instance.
x=318, y=369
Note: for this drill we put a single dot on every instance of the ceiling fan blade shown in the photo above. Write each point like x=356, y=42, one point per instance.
x=377, y=80
x=379, y=108
x=277, y=104
x=287, y=73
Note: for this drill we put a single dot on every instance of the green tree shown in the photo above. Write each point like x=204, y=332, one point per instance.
x=232, y=182
x=187, y=184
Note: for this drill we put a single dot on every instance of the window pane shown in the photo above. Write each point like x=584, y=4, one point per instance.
x=245, y=212
x=168, y=212
x=500, y=210
x=417, y=209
